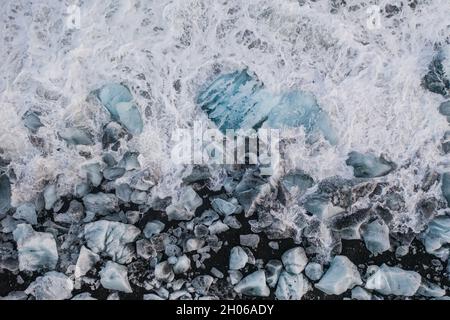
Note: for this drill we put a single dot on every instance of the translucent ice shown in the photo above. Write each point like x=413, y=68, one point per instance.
x=436, y=80
x=113, y=238
x=93, y=174
x=368, y=165
x=100, y=203
x=248, y=188
x=291, y=286
x=429, y=289
x=314, y=271
x=223, y=207
x=77, y=136
x=164, y=272
x=26, y=212
x=37, y=250
x=51, y=286
x=273, y=271
x=253, y=285
x=153, y=227
x=393, y=280
x=238, y=258
x=182, y=265
x=359, y=293
x=85, y=262
x=341, y=276
x=114, y=276
x=31, y=121
x=294, y=260
x=444, y=108
x=5, y=194
x=184, y=208
x=376, y=236
x=50, y=196
x=437, y=234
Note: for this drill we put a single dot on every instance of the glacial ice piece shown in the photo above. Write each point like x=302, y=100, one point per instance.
x=446, y=187
x=5, y=194
x=114, y=276
x=393, y=280
x=182, y=265
x=31, y=121
x=130, y=161
x=253, y=285
x=238, y=258
x=249, y=240
x=164, y=272
x=295, y=184
x=376, y=237
x=51, y=286
x=294, y=260
x=348, y=225
x=202, y=283
x=320, y=206
x=437, y=234
x=123, y=192
x=37, y=250
x=184, y=208
x=444, y=108
x=113, y=173
x=314, y=271
x=152, y=228
x=93, y=174
x=239, y=100
x=273, y=271
x=368, y=165
x=223, y=207
x=248, y=188
x=429, y=289
x=359, y=293
x=113, y=238
x=436, y=80
x=100, y=203
x=26, y=212
x=341, y=276
x=50, y=196
x=85, y=262
x=117, y=99
x=77, y=136
x=218, y=227
x=291, y=286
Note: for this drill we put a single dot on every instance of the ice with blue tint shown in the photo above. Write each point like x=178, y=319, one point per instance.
x=238, y=258
x=31, y=121
x=437, y=234
x=85, y=262
x=273, y=271
x=368, y=165
x=239, y=100
x=393, y=280
x=291, y=286
x=341, y=276
x=430, y=289
x=114, y=276
x=100, y=203
x=5, y=194
x=253, y=285
x=77, y=136
x=294, y=260
x=51, y=286
x=26, y=212
x=376, y=236
x=314, y=271
x=118, y=100
x=437, y=80
x=153, y=227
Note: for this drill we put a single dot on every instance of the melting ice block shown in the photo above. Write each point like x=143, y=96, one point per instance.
x=86, y=260
x=437, y=234
x=368, y=165
x=341, y=276
x=376, y=237
x=114, y=276
x=5, y=194
x=239, y=100
x=113, y=238
x=291, y=286
x=184, y=207
x=37, y=250
x=253, y=285
x=393, y=280
x=294, y=260
x=273, y=271
x=100, y=203
x=52, y=286
x=238, y=258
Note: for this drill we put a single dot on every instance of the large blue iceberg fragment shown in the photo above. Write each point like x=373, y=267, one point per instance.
x=5, y=194
x=393, y=280
x=239, y=100
x=369, y=165
x=118, y=100
x=436, y=80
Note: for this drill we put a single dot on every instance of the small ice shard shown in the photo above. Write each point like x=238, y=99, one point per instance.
x=100, y=203
x=113, y=238
x=85, y=262
x=314, y=271
x=51, y=286
x=37, y=250
x=145, y=249
x=376, y=237
x=320, y=206
x=113, y=173
x=114, y=276
x=273, y=271
x=249, y=240
x=152, y=228
x=164, y=272
x=184, y=208
x=238, y=258
x=123, y=192
x=429, y=289
x=202, y=283
x=5, y=194
x=31, y=121
x=77, y=136
x=93, y=174
x=444, y=108
x=395, y=281
x=50, y=196
x=291, y=286
x=446, y=187
x=359, y=293
x=182, y=265
x=218, y=227
x=437, y=234
x=341, y=276
x=223, y=207
x=26, y=212
x=368, y=165
x=130, y=161
x=294, y=260
x=436, y=80
x=83, y=296
x=253, y=285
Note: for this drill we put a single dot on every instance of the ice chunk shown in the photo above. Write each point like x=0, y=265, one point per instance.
x=359, y=293
x=130, y=161
x=37, y=250
x=238, y=258
x=130, y=117
x=164, y=272
x=253, y=285
x=114, y=276
x=295, y=184
x=100, y=203
x=145, y=249
x=368, y=165
x=446, y=187
x=152, y=228
x=83, y=296
x=5, y=194
x=429, y=289
x=291, y=286
x=437, y=234
x=123, y=192
x=444, y=108
x=223, y=207
x=341, y=276
x=93, y=174
x=202, y=283
x=249, y=240
x=273, y=270
x=77, y=136
x=52, y=286
x=218, y=227
x=113, y=173
x=248, y=188
x=113, y=238
x=85, y=262
x=393, y=280
x=376, y=236
x=294, y=260
x=139, y=197
x=50, y=196
x=27, y=212
x=182, y=265
x=184, y=208
x=314, y=271
x=31, y=121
